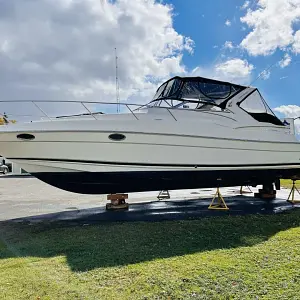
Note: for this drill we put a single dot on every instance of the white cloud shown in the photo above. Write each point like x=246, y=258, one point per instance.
x=228, y=45
x=296, y=45
x=265, y=74
x=53, y=49
x=234, y=70
x=228, y=23
x=245, y=5
x=285, y=61
x=290, y=111
x=272, y=23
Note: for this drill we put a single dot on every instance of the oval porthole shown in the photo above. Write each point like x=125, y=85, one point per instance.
x=117, y=137
x=26, y=137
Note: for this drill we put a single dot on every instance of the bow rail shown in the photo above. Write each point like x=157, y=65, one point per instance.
x=57, y=109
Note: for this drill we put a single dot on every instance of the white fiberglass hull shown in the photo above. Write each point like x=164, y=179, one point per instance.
x=89, y=162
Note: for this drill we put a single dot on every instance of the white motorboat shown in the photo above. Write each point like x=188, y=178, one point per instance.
x=195, y=133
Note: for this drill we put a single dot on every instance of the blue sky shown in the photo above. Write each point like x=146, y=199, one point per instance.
x=64, y=49
x=204, y=22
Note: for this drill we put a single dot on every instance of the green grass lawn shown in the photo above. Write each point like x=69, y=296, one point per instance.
x=246, y=257
x=287, y=183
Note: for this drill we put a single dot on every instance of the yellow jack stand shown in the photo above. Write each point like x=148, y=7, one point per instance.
x=164, y=195
x=292, y=193
x=245, y=192
x=221, y=205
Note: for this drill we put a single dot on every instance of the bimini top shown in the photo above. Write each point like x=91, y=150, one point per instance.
x=208, y=94
x=197, y=89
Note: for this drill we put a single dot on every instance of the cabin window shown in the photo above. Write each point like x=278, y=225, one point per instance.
x=216, y=91
x=256, y=106
x=160, y=91
x=194, y=93
x=171, y=88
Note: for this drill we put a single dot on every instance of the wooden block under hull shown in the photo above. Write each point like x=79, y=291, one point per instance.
x=117, y=202
x=266, y=196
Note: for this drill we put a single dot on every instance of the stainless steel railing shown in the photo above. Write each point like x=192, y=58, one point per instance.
x=7, y=111
x=86, y=108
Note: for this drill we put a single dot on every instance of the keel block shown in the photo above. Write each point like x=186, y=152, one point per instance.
x=117, y=202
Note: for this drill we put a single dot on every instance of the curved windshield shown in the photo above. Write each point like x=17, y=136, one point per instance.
x=168, y=89
x=256, y=106
x=195, y=93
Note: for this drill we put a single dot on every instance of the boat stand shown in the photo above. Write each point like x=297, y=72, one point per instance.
x=163, y=195
x=117, y=202
x=245, y=192
x=221, y=204
x=292, y=194
x=266, y=193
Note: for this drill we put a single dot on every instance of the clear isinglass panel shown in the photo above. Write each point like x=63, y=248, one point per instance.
x=254, y=104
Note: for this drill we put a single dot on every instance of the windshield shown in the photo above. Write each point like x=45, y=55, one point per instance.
x=256, y=106
x=195, y=92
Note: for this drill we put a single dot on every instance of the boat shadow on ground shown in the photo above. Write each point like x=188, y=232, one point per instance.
x=89, y=245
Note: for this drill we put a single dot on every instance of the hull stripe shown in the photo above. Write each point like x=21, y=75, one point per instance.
x=155, y=164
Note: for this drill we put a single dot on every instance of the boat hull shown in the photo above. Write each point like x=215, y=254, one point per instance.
x=88, y=162
x=124, y=182
x=137, y=177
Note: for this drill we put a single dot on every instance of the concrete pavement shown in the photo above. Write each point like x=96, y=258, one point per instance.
x=28, y=199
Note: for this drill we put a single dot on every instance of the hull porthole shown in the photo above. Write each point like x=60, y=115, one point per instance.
x=117, y=137
x=25, y=137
